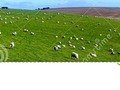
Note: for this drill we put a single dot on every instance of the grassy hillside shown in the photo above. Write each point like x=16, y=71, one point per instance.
x=46, y=26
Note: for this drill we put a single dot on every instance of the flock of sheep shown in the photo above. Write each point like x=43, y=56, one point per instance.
x=59, y=45
x=12, y=43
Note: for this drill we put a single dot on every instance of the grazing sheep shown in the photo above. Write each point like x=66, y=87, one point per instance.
x=59, y=46
x=96, y=44
x=13, y=17
x=74, y=55
x=5, y=18
x=5, y=22
x=100, y=35
x=56, y=36
x=111, y=50
x=1, y=19
x=77, y=39
x=0, y=33
x=73, y=46
x=82, y=39
x=63, y=36
x=69, y=42
x=118, y=53
x=56, y=48
x=63, y=45
x=14, y=33
x=65, y=23
x=26, y=19
x=59, y=43
x=58, y=22
x=88, y=42
x=11, y=22
x=112, y=53
x=77, y=25
x=82, y=29
x=43, y=21
x=74, y=36
x=110, y=30
x=12, y=44
x=25, y=30
x=70, y=45
x=83, y=48
x=115, y=30
x=32, y=33
x=71, y=38
x=93, y=55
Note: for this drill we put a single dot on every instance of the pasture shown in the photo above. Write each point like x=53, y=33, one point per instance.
x=36, y=33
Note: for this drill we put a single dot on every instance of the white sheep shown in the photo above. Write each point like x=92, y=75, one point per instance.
x=43, y=21
x=65, y=23
x=11, y=22
x=63, y=45
x=88, y=42
x=70, y=45
x=111, y=50
x=71, y=38
x=1, y=19
x=5, y=18
x=100, y=35
x=83, y=48
x=56, y=48
x=69, y=42
x=14, y=33
x=12, y=44
x=0, y=33
x=56, y=36
x=115, y=30
x=13, y=17
x=25, y=30
x=74, y=55
x=73, y=46
x=77, y=39
x=32, y=33
x=59, y=46
x=58, y=22
x=112, y=53
x=63, y=36
x=82, y=29
x=110, y=30
x=96, y=44
x=82, y=39
x=27, y=19
x=93, y=55
x=59, y=42
x=118, y=53
x=5, y=22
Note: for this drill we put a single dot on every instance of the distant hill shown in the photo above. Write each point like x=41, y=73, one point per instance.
x=94, y=11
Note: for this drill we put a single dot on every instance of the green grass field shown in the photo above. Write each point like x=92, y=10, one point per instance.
x=40, y=46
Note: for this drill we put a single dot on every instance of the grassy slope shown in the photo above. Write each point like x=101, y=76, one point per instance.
x=40, y=46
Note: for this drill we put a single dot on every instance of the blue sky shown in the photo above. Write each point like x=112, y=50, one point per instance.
x=33, y=4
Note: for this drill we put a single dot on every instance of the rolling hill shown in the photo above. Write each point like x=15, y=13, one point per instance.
x=53, y=28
